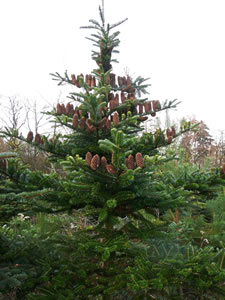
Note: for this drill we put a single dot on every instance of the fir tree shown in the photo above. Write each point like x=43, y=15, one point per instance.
x=109, y=173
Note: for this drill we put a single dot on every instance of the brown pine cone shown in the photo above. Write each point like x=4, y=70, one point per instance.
x=108, y=124
x=173, y=131
x=91, y=129
x=68, y=108
x=116, y=100
x=86, y=78
x=140, y=108
x=75, y=121
x=30, y=136
x=71, y=111
x=123, y=97
x=58, y=109
x=95, y=162
x=168, y=132
x=103, y=163
x=93, y=82
x=89, y=80
x=82, y=123
x=111, y=104
x=88, y=158
x=73, y=79
x=154, y=105
x=116, y=119
x=111, y=169
x=147, y=106
x=37, y=139
x=63, y=108
x=139, y=160
x=130, y=162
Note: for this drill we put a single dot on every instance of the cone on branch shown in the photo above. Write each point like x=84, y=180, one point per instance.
x=112, y=79
x=95, y=162
x=73, y=77
x=140, y=108
x=154, y=105
x=139, y=160
x=116, y=119
x=68, y=108
x=82, y=123
x=63, y=108
x=75, y=121
x=123, y=97
x=111, y=169
x=30, y=136
x=130, y=162
x=87, y=79
x=147, y=106
x=58, y=109
x=88, y=158
x=173, y=131
x=116, y=100
x=103, y=163
x=93, y=82
x=37, y=139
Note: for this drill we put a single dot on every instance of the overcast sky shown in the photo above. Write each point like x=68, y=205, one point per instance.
x=179, y=44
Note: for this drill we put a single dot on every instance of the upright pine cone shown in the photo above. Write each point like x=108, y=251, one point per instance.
x=86, y=78
x=130, y=162
x=140, y=108
x=75, y=121
x=37, y=139
x=58, y=109
x=82, y=123
x=123, y=97
x=88, y=158
x=168, y=132
x=116, y=119
x=93, y=82
x=108, y=124
x=147, y=106
x=116, y=100
x=68, y=108
x=103, y=163
x=173, y=131
x=95, y=162
x=63, y=108
x=154, y=105
x=89, y=80
x=73, y=79
x=30, y=136
x=111, y=169
x=139, y=160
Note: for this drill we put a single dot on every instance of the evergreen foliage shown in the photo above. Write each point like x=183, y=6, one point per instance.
x=113, y=175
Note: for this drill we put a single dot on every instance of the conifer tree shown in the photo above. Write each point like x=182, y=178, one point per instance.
x=109, y=173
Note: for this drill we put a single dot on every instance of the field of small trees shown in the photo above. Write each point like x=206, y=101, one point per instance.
x=107, y=206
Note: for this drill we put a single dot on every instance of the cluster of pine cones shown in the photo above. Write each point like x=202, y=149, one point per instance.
x=95, y=162
x=149, y=107
x=89, y=80
x=130, y=161
x=37, y=139
x=65, y=110
x=170, y=133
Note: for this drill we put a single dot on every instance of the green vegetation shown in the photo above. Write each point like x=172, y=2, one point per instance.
x=120, y=214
